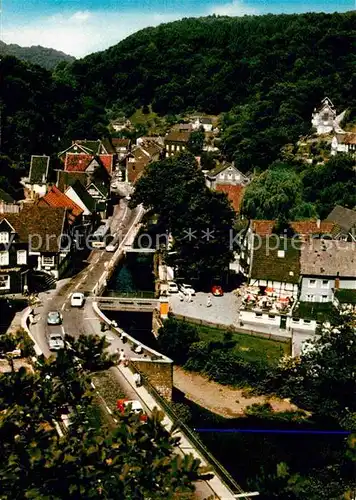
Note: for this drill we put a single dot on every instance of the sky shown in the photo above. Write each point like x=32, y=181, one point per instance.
x=80, y=27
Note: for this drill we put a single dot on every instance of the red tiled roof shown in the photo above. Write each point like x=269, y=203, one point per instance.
x=107, y=161
x=304, y=227
x=56, y=199
x=234, y=193
x=77, y=162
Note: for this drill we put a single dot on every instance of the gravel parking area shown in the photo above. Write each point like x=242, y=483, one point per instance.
x=223, y=310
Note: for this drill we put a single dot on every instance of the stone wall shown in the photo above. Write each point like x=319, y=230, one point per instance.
x=159, y=374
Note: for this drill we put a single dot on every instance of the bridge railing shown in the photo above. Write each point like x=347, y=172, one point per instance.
x=220, y=471
x=130, y=295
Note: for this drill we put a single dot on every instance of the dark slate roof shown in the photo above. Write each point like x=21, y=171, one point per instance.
x=83, y=194
x=39, y=169
x=266, y=265
x=66, y=179
x=41, y=226
x=4, y=196
x=177, y=136
x=343, y=217
x=92, y=146
x=107, y=144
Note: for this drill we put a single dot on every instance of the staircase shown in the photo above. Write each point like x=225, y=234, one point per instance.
x=39, y=281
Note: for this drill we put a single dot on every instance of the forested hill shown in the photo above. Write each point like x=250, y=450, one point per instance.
x=47, y=58
x=270, y=70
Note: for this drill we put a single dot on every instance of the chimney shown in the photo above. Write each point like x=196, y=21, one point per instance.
x=318, y=222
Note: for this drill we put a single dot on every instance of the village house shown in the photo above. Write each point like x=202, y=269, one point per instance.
x=273, y=281
x=327, y=266
x=176, y=142
x=343, y=143
x=35, y=248
x=226, y=174
x=56, y=199
x=344, y=221
x=80, y=197
x=121, y=124
x=35, y=184
x=7, y=203
x=204, y=122
x=89, y=147
x=136, y=162
x=122, y=147
x=325, y=118
x=97, y=170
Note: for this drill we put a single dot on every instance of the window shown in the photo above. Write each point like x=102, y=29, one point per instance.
x=312, y=283
x=47, y=261
x=258, y=315
x=21, y=257
x=178, y=148
x=4, y=258
x=295, y=320
x=5, y=282
x=306, y=321
x=271, y=316
x=4, y=237
x=324, y=298
x=310, y=298
x=325, y=284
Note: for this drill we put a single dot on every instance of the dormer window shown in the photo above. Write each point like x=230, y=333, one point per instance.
x=4, y=237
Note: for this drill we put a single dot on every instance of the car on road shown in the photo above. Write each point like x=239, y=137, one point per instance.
x=217, y=291
x=111, y=247
x=172, y=287
x=77, y=299
x=186, y=289
x=54, y=318
x=55, y=341
x=135, y=406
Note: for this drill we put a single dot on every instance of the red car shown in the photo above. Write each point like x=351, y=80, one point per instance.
x=217, y=291
x=136, y=407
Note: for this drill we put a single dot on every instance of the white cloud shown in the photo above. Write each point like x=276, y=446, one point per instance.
x=81, y=16
x=83, y=32
x=234, y=8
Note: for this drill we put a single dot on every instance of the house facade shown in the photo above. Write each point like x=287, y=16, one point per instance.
x=327, y=266
x=176, y=142
x=206, y=123
x=14, y=258
x=325, y=118
x=343, y=143
x=226, y=174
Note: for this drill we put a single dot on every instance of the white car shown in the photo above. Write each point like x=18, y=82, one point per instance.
x=55, y=341
x=172, y=287
x=111, y=247
x=186, y=289
x=77, y=299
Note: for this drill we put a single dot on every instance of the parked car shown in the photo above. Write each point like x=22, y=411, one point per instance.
x=111, y=247
x=217, y=291
x=172, y=287
x=55, y=341
x=54, y=318
x=136, y=407
x=77, y=299
x=186, y=289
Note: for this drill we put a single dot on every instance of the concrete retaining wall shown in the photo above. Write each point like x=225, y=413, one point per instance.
x=24, y=325
x=233, y=329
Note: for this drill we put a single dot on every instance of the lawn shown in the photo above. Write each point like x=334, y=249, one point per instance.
x=251, y=348
x=108, y=388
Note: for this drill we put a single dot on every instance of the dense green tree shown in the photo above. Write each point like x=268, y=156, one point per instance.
x=198, y=219
x=175, y=338
x=196, y=141
x=275, y=193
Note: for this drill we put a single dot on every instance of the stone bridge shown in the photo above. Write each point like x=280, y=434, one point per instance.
x=127, y=304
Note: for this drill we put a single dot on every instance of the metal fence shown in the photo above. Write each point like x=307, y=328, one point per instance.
x=218, y=469
x=130, y=295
